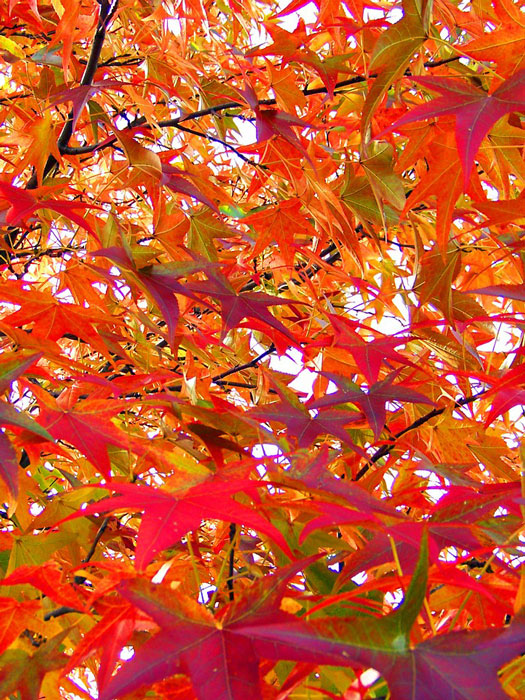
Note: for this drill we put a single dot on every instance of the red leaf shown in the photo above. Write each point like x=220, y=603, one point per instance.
x=373, y=402
x=8, y=465
x=301, y=425
x=508, y=291
x=23, y=204
x=15, y=617
x=168, y=517
x=369, y=356
x=87, y=427
x=475, y=110
x=47, y=578
x=236, y=307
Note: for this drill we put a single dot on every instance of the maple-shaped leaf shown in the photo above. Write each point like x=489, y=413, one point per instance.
x=160, y=281
x=451, y=523
x=23, y=204
x=291, y=46
x=372, y=402
x=52, y=318
x=475, y=110
x=87, y=427
x=280, y=223
x=315, y=474
x=301, y=425
x=215, y=651
x=369, y=356
x=243, y=305
x=24, y=672
x=168, y=517
x=273, y=122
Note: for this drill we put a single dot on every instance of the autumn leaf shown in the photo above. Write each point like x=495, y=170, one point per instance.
x=281, y=224
x=507, y=291
x=237, y=306
x=304, y=427
x=372, y=402
x=475, y=111
x=261, y=629
x=168, y=517
x=24, y=672
x=368, y=355
x=87, y=427
x=393, y=51
x=258, y=306
x=23, y=205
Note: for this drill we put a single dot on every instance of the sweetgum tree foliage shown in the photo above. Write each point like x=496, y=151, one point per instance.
x=262, y=363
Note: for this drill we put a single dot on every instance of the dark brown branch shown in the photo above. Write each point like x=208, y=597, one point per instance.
x=227, y=145
x=96, y=540
x=386, y=449
x=62, y=610
x=177, y=121
x=107, y=10
x=216, y=109
x=246, y=365
x=231, y=562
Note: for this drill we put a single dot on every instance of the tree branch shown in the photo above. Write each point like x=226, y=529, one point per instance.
x=227, y=145
x=62, y=610
x=386, y=449
x=246, y=365
x=231, y=562
x=107, y=10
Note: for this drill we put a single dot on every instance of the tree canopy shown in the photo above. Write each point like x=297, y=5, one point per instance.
x=262, y=349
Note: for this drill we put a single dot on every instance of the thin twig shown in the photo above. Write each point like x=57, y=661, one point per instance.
x=231, y=562
x=62, y=610
x=96, y=540
x=107, y=10
x=246, y=365
x=227, y=145
x=386, y=449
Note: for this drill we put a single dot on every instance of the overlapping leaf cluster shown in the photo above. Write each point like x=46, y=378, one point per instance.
x=261, y=363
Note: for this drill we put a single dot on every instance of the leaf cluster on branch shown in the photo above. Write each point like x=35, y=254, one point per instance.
x=261, y=349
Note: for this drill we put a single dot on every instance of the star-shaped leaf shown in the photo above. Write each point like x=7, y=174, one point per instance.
x=87, y=426
x=372, y=402
x=369, y=356
x=302, y=426
x=24, y=204
x=24, y=672
x=243, y=305
x=476, y=111
x=168, y=517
